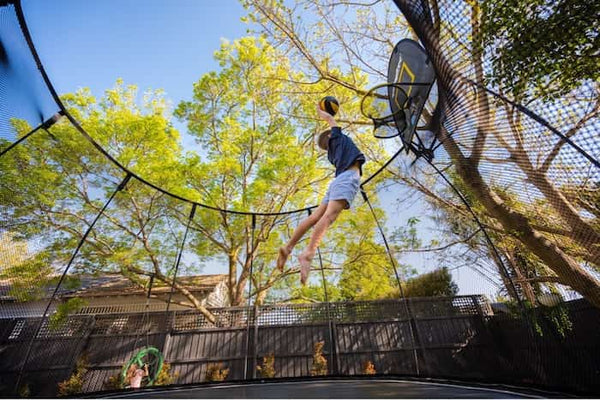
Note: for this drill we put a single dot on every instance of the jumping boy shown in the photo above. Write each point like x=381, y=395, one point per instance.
x=348, y=161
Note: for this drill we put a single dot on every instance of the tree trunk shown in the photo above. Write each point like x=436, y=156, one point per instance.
x=581, y=231
x=232, y=281
x=518, y=224
x=520, y=280
x=260, y=297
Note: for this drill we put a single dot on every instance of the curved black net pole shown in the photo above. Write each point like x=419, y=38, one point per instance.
x=179, y=255
x=119, y=188
x=43, y=126
x=412, y=323
x=145, y=316
x=539, y=119
x=248, y=316
x=332, y=342
x=487, y=237
x=146, y=319
x=169, y=322
x=523, y=310
x=384, y=166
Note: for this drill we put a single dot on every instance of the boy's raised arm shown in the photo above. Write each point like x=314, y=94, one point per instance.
x=327, y=117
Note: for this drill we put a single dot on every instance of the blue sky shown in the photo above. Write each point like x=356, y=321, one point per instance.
x=155, y=44
x=150, y=43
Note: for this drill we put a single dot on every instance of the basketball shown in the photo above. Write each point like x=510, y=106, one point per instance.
x=330, y=105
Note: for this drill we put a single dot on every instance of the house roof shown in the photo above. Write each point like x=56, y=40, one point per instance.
x=115, y=284
x=119, y=285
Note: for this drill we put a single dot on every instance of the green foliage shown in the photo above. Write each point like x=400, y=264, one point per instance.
x=267, y=370
x=74, y=384
x=61, y=182
x=367, y=272
x=60, y=316
x=557, y=316
x=437, y=283
x=314, y=292
x=541, y=49
x=24, y=390
x=28, y=277
x=113, y=383
x=319, y=364
x=255, y=155
x=254, y=119
x=237, y=116
x=406, y=237
x=165, y=376
x=216, y=373
x=545, y=47
x=12, y=251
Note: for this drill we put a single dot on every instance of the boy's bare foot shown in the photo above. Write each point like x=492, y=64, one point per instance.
x=284, y=253
x=305, y=260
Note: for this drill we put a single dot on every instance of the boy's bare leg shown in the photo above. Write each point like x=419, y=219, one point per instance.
x=334, y=208
x=303, y=227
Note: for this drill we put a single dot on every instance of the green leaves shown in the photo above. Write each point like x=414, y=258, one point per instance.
x=542, y=48
x=60, y=316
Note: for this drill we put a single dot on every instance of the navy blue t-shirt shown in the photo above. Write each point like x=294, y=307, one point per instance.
x=342, y=152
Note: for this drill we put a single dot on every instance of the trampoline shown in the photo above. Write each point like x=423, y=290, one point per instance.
x=327, y=388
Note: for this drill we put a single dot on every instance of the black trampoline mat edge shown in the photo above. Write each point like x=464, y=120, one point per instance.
x=354, y=387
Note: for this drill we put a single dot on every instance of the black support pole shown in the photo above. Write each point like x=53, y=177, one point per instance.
x=119, y=188
x=412, y=323
x=253, y=316
x=43, y=126
x=179, y=255
x=332, y=337
x=487, y=237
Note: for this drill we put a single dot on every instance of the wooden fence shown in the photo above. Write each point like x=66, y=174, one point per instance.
x=455, y=337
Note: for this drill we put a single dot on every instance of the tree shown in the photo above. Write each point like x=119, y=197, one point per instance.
x=55, y=183
x=250, y=118
x=238, y=115
x=437, y=283
x=26, y=272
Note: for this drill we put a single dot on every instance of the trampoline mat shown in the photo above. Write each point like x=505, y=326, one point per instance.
x=327, y=389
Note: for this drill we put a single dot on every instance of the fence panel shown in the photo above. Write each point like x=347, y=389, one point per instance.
x=293, y=347
x=388, y=345
x=192, y=353
x=457, y=338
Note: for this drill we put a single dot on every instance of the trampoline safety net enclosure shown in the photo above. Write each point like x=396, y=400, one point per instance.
x=471, y=254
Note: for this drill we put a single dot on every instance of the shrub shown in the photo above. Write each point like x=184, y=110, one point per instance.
x=267, y=370
x=216, y=373
x=165, y=377
x=113, y=383
x=369, y=368
x=74, y=384
x=319, y=365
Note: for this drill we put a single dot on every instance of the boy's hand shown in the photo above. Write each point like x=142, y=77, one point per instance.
x=326, y=116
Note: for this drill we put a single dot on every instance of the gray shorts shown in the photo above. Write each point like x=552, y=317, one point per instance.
x=343, y=187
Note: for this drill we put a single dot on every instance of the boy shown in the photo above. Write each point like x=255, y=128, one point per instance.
x=348, y=161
